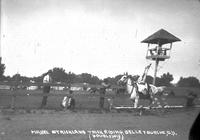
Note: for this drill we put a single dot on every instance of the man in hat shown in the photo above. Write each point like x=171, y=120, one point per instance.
x=46, y=87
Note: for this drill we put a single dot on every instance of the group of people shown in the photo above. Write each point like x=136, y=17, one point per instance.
x=68, y=101
x=158, y=51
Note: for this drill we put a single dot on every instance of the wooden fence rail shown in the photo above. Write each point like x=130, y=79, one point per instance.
x=32, y=84
x=13, y=93
x=16, y=92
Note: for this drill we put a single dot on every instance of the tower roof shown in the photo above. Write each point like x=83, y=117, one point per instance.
x=161, y=37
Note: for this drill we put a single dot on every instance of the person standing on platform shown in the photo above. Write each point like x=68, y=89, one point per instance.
x=46, y=88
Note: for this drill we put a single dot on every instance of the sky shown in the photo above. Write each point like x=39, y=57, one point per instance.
x=100, y=37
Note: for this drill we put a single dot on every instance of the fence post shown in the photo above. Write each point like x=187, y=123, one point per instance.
x=15, y=88
x=12, y=106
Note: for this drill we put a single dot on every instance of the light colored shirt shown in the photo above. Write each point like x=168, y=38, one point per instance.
x=105, y=85
x=47, y=79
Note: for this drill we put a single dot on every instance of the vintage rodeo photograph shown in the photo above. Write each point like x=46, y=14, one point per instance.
x=99, y=69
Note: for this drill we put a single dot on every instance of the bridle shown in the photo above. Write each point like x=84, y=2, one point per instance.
x=133, y=84
x=126, y=80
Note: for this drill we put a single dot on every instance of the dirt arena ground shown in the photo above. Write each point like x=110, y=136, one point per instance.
x=28, y=122
x=41, y=125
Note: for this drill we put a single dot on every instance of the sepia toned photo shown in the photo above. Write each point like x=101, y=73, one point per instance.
x=99, y=69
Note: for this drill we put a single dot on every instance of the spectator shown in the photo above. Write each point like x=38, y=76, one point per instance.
x=46, y=88
x=64, y=102
x=171, y=93
x=110, y=103
x=68, y=101
x=190, y=99
x=102, y=92
x=71, y=101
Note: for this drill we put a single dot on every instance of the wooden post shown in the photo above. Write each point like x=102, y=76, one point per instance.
x=155, y=72
x=147, y=50
x=14, y=92
x=12, y=106
x=13, y=98
x=156, y=64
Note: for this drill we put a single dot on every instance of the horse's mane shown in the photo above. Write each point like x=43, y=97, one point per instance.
x=133, y=78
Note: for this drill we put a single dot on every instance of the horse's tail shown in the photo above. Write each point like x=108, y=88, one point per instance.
x=156, y=90
x=159, y=92
x=153, y=89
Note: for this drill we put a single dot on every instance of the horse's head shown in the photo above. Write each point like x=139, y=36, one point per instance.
x=123, y=79
x=126, y=79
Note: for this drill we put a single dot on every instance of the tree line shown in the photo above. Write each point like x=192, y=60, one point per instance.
x=60, y=75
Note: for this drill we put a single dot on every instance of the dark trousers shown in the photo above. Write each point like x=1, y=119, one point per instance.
x=71, y=104
x=46, y=90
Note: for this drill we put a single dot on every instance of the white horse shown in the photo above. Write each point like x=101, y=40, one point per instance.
x=142, y=91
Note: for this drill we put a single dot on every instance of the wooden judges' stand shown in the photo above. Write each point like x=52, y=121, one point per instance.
x=157, y=49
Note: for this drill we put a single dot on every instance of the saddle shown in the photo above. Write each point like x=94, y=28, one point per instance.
x=143, y=88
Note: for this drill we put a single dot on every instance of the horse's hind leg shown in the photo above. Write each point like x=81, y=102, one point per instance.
x=162, y=101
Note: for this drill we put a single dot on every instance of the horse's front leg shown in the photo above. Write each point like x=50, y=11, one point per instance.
x=133, y=102
x=136, y=102
x=151, y=102
x=163, y=102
